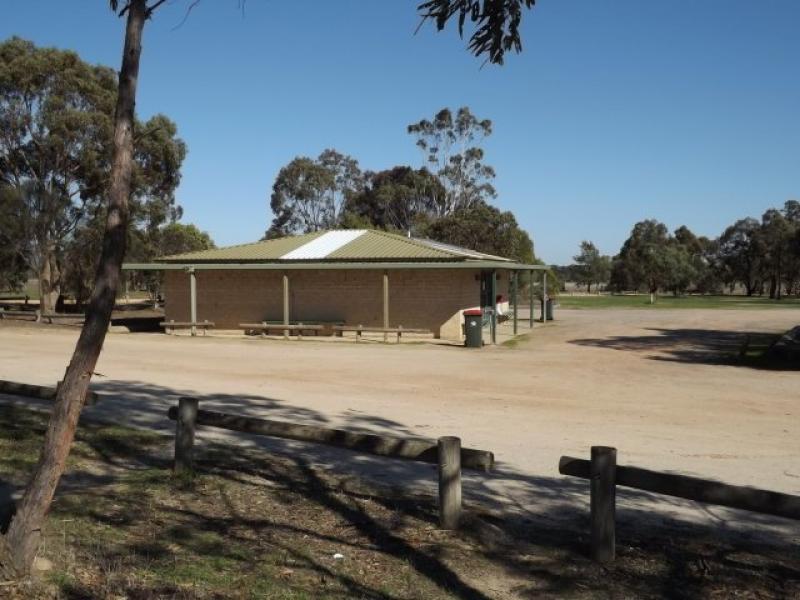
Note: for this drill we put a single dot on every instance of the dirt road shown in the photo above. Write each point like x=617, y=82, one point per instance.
x=648, y=382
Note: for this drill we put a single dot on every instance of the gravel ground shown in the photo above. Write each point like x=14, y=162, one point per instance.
x=662, y=386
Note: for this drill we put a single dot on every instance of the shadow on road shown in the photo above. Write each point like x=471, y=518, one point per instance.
x=533, y=528
x=706, y=346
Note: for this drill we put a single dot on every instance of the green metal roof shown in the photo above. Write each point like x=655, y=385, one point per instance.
x=334, y=265
x=335, y=246
x=266, y=250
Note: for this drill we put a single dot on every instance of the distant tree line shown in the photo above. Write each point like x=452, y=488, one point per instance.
x=761, y=257
x=448, y=199
x=56, y=114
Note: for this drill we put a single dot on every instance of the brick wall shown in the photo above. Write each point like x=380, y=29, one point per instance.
x=424, y=298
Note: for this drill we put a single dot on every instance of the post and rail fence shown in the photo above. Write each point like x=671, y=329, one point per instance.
x=604, y=475
x=446, y=452
x=39, y=391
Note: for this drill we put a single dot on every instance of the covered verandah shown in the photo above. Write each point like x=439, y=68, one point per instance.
x=522, y=280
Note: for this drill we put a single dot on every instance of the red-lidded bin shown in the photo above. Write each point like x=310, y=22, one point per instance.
x=473, y=328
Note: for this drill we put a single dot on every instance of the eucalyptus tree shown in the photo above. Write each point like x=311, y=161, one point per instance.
x=646, y=258
x=484, y=228
x=776, y=234
x=741, y=254
x=56, y=126
x=496, y=23
x=400, y=199
x=592, y=267
x=20, y=542
x=311, y=194
x=451, y=145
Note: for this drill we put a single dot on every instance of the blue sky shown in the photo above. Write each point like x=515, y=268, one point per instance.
x=617, y=110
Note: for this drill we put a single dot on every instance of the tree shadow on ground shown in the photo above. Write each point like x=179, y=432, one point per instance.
x=704, y=346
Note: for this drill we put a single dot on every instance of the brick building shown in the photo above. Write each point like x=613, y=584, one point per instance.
x=353, y=277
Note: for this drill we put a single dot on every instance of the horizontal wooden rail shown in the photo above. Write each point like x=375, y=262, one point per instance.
x=694, y=488
x=417, y=449
x=75, y=316
x=20, y=313
x=38, y=391
x=173, y=325
x=399, y=329
x=280, y=327
x=185, y=324
x=360, y=329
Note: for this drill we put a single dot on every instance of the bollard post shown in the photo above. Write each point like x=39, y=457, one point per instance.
x=603, y=472
x=449, y=449
x=184, y=434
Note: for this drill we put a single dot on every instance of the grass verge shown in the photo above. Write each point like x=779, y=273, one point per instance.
x=642, y=301
x=250, y=524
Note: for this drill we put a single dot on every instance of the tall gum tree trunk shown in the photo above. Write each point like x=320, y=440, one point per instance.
x=49, y=280
x=19, y=545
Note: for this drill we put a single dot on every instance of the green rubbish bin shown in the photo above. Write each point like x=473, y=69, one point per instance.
x=473, y=328
x=548, y=311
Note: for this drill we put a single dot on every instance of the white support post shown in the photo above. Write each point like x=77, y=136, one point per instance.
x=193, y=300
x=285, y=304
x=386, y=305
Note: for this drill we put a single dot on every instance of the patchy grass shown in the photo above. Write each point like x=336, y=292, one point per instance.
x=517, y=340
x=255, y=525
x=642, y=301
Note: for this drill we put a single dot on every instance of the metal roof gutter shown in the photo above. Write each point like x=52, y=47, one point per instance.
x=329, y=266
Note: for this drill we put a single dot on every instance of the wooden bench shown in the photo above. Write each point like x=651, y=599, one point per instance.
x=327, y=326
x=20, y=313
x=171, y=326
x=398, y=331
x=74, y=316
x=265, y=327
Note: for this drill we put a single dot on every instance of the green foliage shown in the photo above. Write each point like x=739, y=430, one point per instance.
x=448, y=205
x=173, y=238
x=13, y=266
x=592, y=267
x=496, y=23
x=397, y=199
x=639, y=301
x=56, y=113
x=310, y=195
x=486, y=229
x=740, y=254
x=644, y=260
x=451, y=146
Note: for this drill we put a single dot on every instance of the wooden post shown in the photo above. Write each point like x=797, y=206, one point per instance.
x=285, y=304
x=399, y=332
x=544, y=295
x=193, y=300
x=603, y=502
x=530, y=316
x=385, y=305
x=493, y=315
x=514, y=298
x=449, y=449
x=184, y=434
